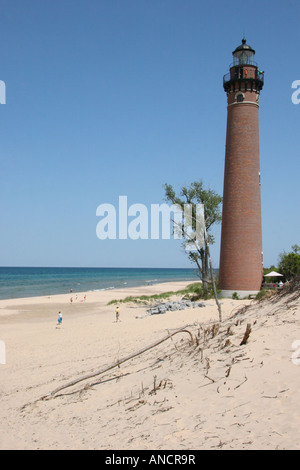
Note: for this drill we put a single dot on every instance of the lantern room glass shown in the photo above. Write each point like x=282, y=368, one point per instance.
x=243, y=57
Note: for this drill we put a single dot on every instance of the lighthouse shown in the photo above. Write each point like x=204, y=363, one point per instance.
x=241, y=268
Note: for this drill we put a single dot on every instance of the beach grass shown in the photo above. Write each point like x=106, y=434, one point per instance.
x=193, y=291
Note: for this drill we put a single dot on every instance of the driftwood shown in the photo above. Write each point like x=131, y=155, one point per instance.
x=116, y=364
x=246, y=335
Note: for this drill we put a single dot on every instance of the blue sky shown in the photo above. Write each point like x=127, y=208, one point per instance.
x=117, y=97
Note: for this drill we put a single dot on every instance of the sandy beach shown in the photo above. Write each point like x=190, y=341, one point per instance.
x=209, y=393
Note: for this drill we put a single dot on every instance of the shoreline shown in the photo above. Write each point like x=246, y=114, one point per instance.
x=104, y=289
x=97, y=298
x=24, y=282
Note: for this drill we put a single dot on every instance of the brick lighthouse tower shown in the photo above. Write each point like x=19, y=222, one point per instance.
x=241, y=267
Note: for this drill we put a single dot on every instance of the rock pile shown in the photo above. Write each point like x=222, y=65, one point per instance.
x=173, y=306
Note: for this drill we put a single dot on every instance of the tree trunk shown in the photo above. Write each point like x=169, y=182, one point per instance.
x=204, y=272
x=212, y=276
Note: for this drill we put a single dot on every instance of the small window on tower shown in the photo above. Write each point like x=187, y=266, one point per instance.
x=240, y=98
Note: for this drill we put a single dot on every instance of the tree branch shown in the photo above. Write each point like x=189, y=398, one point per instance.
x=115, y=364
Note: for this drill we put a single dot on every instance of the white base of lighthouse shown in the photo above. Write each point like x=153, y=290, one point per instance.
x=242, y=294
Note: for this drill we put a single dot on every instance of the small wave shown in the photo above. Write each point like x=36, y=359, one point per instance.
x=101, y=290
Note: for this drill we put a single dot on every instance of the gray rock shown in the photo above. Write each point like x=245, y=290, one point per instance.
x=174, y=306
x=162, y=309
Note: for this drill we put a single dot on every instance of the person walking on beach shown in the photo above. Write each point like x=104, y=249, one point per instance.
x=59, y=320
x=117, y=314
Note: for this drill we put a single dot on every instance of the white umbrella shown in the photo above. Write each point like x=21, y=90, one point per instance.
x=273, y=274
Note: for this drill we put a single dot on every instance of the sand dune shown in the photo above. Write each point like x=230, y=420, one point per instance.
x=212, y=393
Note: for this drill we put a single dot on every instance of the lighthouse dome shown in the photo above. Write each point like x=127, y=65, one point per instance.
x=243, y=54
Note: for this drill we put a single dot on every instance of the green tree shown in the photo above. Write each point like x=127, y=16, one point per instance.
x=196, y=194
x=295, y=249
x=289, y=263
